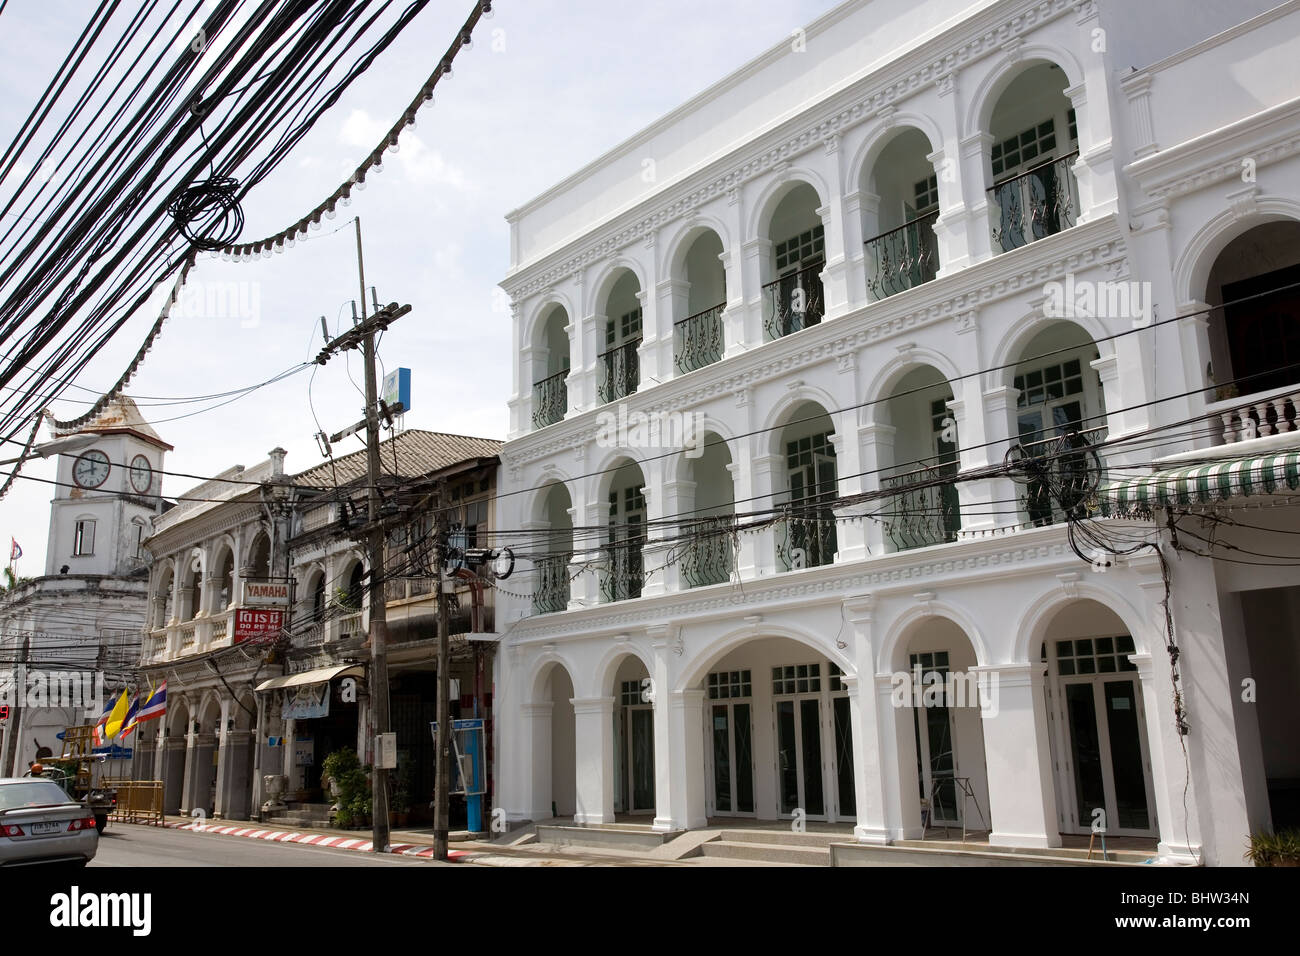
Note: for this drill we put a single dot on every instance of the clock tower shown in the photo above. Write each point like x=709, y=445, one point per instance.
x=107, y=493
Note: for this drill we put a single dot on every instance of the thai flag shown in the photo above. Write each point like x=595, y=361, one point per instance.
x=155, y=705
x=131, y=719
x=99, y=737
x=15, y=552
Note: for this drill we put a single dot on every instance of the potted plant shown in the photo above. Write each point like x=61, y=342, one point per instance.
x=1274, y=849
x=342, y=773
x=401, y=804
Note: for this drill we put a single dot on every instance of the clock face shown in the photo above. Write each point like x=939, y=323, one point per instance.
x=141, y=474
x=91, y=469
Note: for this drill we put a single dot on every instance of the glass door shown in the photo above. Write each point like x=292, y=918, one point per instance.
x=1108, y=772
x=936, y=756
x=800, y=784
x=634, y=752
x=733, y=763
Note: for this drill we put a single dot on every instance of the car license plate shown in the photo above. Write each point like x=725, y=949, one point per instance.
x=50, y=827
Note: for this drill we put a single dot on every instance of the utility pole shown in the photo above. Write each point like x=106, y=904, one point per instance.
x=378, y=587
x=442, y=775
x=362, y=335
x=7, y=767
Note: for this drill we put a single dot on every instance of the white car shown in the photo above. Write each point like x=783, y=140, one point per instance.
x=39, y=823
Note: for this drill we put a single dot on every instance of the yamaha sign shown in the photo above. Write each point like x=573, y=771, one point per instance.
x=266, y=593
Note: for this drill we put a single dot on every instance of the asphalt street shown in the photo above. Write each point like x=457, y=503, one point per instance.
x=125, y=845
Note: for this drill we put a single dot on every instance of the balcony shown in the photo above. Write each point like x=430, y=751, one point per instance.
x=1234, y=420
x=188, y=638
x=624, y=575
x=923, y=506
x=552, y=591
x=1035, y=204
x=550, y=399
x=697, y=339
x=1061, y=476
x=350, y=626
x=155, y=646
x=903, y=258
x=619, y=371
x=793, y=302
x=710, y=552
x=806, y=542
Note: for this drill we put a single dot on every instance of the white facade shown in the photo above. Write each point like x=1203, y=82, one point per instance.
x=839, y=262
x=84, y=614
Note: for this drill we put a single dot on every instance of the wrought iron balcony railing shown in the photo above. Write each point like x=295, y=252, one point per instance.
x=903, y=258
x=710, y=553
x=1061, y=475
x=620, y=371
x=923, y=507
x=624, y=575
x=806, y=540
x=1036, y=204
x=552, y=591
x=697, y=339
x=550, y=399
x=793, y=302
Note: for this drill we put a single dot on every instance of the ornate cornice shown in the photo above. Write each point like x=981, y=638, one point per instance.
x=982, y=35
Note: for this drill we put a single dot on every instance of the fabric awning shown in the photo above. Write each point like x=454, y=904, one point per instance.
x=1204, y=483
x=319, y=676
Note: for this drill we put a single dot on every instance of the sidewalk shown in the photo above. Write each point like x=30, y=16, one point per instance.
x=416, y=843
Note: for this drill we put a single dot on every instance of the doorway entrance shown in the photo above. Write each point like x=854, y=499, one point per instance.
x=634, y=749
x=1101, y=728
x=731, y=736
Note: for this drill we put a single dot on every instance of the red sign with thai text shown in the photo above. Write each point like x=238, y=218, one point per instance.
x=251, y=625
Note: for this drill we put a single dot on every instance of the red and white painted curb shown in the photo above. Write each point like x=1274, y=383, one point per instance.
x=316, y=839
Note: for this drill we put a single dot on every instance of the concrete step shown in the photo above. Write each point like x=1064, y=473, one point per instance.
x=783, y=838
x=1074, y=853
x=861, y=854
x=766, y=852
x=611, y=835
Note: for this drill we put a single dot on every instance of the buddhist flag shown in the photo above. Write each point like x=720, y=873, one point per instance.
x=114, y=724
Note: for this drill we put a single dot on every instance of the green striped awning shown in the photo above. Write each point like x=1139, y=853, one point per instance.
x=1207, y=482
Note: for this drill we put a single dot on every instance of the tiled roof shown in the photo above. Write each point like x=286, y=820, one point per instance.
x=409, y=454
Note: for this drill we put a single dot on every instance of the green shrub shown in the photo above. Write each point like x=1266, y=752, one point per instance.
x=1275, y=849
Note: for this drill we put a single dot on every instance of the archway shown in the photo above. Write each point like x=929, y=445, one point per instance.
x=625, y=536
x=1035, y=142
x=554, y=752
x=937, y=690
x=899, y=193
x=793, y=297
x=633, y=757
x=554, y=543
x=701, y=299
x=551, y=367
x=1254, y=335
x=708, y=510
x=618, y=369
x=920, y=461
x=1098, y=723
x=807, y=485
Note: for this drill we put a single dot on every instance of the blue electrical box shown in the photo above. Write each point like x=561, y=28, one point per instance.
x=397, y=388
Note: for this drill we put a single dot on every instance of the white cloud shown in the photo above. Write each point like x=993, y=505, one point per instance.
x=414, y=160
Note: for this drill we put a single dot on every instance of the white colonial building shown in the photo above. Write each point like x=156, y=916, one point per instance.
x=77, y=625
x=933, y=278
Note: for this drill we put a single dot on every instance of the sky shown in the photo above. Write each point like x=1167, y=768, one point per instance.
x=548, y=86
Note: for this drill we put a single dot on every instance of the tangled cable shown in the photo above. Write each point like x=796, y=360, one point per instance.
x=208, y=212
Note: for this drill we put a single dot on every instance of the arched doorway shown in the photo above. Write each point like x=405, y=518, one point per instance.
x=634, y=738
x=779, y=740
x=937, y=687
x=554, y=753
x=1097, y=720
x=793, y=297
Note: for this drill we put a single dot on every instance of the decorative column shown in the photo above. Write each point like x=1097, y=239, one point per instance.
x=876, y=442
x=666, y=768
x=224, y=770
x=584, y=380
x=1095, y=169
x=536, y=717
x=594, y=743
x=755, y=271
x=870, y=774
x=764, y=468
x=999, y=420
x=850, y=523
x=666, y=498
x=835, y=279
x=982, y=213
x=855, y=247
x=1017, y=753
x=672, y=304
x=898, y=773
